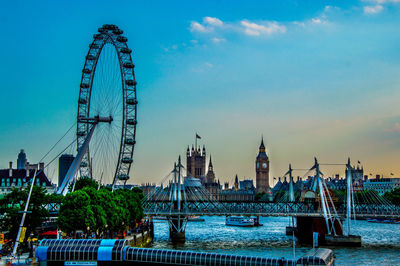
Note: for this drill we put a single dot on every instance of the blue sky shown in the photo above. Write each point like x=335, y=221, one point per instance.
x=315, y=78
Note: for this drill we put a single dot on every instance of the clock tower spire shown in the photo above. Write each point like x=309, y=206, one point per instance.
x=262, y=169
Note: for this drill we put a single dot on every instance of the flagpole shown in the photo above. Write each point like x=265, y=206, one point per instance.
x=195, y=142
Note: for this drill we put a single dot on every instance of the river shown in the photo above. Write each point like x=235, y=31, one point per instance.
x=381, y=242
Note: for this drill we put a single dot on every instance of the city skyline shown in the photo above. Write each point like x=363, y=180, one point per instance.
x=315, y=79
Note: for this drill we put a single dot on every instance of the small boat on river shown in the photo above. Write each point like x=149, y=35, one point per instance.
x=239, y=221
x=383, y=221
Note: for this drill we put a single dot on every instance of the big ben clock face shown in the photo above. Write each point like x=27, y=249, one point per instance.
x=264, y=165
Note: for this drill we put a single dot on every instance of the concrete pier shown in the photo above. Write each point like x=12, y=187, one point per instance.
x=306, y=226
x=177, y=226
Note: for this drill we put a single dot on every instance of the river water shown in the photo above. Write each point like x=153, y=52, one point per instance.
x=381, y=242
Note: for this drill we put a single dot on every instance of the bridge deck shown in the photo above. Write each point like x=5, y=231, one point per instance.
x=265, y=209
x=342, y=215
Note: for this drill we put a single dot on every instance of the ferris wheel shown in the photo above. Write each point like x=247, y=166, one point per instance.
x=107, y=105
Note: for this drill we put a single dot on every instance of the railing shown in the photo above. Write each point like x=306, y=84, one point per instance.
x=161, y=208
x=265, y=209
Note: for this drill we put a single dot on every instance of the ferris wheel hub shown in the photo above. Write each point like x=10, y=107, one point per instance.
x=96, y=119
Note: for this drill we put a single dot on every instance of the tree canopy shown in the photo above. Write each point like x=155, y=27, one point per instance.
x=99, y=209
x=14, y=202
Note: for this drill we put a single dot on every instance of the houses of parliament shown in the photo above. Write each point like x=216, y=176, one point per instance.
x=196, y=158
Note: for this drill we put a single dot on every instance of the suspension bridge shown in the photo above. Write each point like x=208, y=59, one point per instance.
x=184, y=197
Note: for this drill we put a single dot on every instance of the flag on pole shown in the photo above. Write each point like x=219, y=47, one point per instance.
x=197, y=136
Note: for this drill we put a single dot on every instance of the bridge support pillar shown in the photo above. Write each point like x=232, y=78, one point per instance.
x=177, y=227
x=306, y=226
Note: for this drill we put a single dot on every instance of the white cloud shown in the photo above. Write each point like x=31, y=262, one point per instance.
x=373, y=9
x=218, y=40
x=208, y=64
x=213, y=21
x=380, y=2
x=376, y=6
x=321, y=20
x=316, y=20
x=195, y=26
x=254, y=29
x=301, y=24
x=394, y=129
x=207, y=26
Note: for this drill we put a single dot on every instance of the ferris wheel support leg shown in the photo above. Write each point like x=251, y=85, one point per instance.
x=63, y=189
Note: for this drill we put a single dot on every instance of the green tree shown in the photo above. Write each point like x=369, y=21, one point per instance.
x=102, y=210
x=116, y=216
x=54, y=198
x=130, y=200
x=96, y=205
x=12, y=205
x=139, y=192
x=83, y=182
x=76, y=213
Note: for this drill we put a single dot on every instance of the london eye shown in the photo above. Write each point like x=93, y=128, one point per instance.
x=107, y=100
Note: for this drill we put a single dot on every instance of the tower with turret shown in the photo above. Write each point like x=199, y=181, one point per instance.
x=262, y=169
x=210, y=177
x=196, y=163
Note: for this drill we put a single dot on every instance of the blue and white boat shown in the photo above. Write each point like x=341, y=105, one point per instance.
x=239, y=221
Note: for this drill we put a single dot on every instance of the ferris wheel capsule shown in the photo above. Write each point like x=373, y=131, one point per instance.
x=98, y=36
x=129, y=65
x=127, y=160
x=130, y=141
x=131, y=122
x=90, y=57
x=126, y=50
x=118, y=31
x=123, y=177
x=122, y=39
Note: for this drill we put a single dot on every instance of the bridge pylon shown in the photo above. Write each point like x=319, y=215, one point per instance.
x=177, y=223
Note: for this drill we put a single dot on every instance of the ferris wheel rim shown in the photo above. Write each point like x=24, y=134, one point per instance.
x=109, y=34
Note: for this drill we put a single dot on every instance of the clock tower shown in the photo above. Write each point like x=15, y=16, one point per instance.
x=262, y=170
